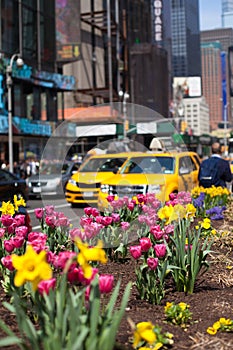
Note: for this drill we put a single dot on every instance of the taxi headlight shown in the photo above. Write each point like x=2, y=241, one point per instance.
x=105, y=188
x=72, y=182
x=154, y=189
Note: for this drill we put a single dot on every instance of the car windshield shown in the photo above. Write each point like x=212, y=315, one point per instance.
x=102, y=164
x=149, y=165
x=54, y=168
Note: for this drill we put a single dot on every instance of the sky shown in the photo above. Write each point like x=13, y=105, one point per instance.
x=210, y=14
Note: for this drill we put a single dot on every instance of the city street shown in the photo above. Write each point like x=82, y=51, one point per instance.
x=60, y=206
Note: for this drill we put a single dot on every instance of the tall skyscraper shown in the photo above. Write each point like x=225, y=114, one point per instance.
x=227, y=13
x=186, y=54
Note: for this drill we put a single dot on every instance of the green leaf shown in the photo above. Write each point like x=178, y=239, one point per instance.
x=13, y=340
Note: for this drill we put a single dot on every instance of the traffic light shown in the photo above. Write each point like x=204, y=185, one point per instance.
x=126, y=125
x=183, y=126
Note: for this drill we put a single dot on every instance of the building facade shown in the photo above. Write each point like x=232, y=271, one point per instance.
x=28, y=30
x=227, y=13
x=186, y=55
x=212, y=81
x=224, y=37
x=196, y=115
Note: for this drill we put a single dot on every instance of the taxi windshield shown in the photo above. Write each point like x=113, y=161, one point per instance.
x=102, y=164
x=149, y=165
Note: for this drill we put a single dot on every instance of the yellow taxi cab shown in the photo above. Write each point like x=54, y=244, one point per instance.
x=159, y=173
x=83, y=187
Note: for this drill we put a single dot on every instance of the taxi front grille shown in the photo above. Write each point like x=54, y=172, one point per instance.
x=129, y=191
x=86, y=185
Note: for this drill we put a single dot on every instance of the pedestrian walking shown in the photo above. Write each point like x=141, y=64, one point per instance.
x=214, y=171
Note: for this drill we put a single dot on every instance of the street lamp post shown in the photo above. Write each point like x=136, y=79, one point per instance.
x=125, y=97
x=9, y=84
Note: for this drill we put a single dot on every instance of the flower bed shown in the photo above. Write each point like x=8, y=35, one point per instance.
x=208, y=298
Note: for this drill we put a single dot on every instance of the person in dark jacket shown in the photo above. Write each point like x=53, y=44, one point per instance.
x=219, y=169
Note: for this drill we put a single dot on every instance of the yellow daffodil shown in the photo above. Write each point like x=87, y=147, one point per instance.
x=167, y=306
x=225, y=321
x=190, y=210
x=7, y=208
x=31, y=267
x=144, y=331
x=213, y=232
x=164, y=213
x=87, y=254
x=183, y=306
x=216, y=325
x=211, y=331
x=180, y=211
x=19, y=202
x=206, y=224
x=158, y=346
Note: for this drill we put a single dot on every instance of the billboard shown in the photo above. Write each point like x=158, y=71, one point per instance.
x=186, y=87
x=68, y=32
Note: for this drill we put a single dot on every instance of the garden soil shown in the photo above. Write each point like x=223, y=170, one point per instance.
x=212, y=299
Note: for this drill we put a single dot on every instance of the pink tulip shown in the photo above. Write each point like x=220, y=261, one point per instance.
x=62, y=222
x=95, y=212
x=160, y=250
x=39, y=212
x=85, y=221
x=87, y=293
x=19, y=220
x=21, y=231
x=50, y=221
x=49, y=209
x=73, y=274
x=86, y=281
x=2, y=232
x=18, y=241
x=106, y=283
x=152, y=263
x=110, y=198
x=46, y=285
x=145, y=244
x=7, y=262
x=61, y=259
x=141, y=198
x=88, y=211
x=116, y=217
x=135, y=251
x=188, y=247
x=32, y=236
x=125, y=225
x=7, y=220
x=11, y=228
x=131, y=206
x=50, y=257
x=156, y=232
x=107, y=220
x=9, y=245
x=38, y=245
x=169, y=229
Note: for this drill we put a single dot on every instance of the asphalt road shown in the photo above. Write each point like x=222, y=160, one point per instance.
x=60, y=205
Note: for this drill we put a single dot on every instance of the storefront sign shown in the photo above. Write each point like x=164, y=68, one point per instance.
x=43, y=78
